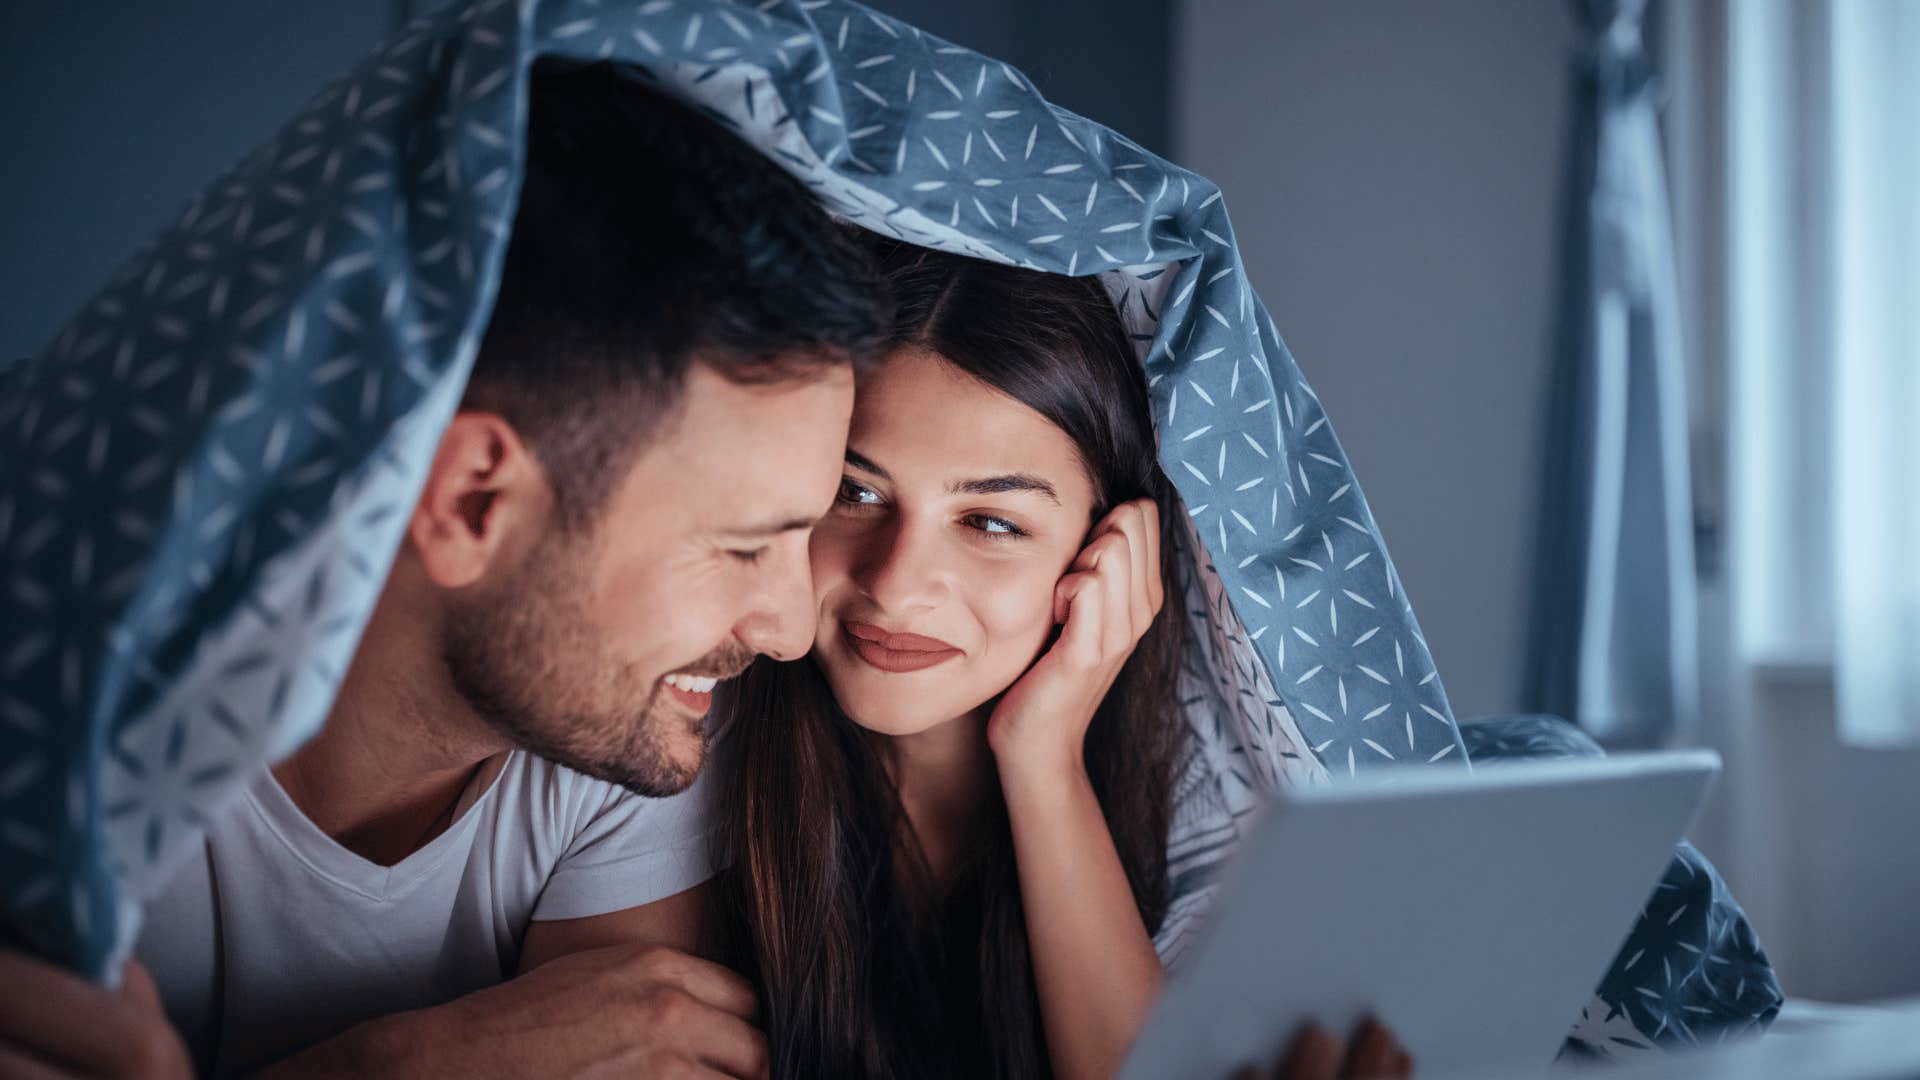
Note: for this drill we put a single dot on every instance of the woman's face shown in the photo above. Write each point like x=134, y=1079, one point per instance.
x=934, y=573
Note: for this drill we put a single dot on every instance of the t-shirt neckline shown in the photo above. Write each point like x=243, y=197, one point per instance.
x=328, y=859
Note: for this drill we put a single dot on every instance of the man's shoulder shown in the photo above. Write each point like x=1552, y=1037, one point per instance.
x=605, y=848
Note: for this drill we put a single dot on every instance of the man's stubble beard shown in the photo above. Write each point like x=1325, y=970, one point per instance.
x=526, y=659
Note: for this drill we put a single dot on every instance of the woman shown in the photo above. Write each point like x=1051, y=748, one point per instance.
x=946, y=836
x=948, y=829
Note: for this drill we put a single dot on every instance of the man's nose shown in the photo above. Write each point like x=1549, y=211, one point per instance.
x=781, y=622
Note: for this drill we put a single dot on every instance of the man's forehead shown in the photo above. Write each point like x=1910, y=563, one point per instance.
x=753, y=459
x=814, y=405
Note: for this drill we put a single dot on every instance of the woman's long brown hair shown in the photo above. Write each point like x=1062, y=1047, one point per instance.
x=863, y=968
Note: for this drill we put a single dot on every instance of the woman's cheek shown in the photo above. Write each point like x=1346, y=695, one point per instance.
x=1016, y=608
x=829, y=553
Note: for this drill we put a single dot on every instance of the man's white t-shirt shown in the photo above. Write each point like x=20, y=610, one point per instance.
x=273, y=937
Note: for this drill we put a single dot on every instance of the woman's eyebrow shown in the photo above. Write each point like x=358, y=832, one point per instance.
x=860, y=462
x=1004, y=484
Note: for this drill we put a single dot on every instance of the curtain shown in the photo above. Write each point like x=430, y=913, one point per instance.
x=1613, y=640
x=1824, y=364
x=1876, y=354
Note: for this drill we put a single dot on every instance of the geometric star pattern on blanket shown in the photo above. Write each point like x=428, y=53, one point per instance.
x=204, y=478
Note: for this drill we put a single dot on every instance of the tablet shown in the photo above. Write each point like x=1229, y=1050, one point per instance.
x=1474, y=912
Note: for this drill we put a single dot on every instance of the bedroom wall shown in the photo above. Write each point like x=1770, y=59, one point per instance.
x=1828, y=861
x=1393, y=170
x=113, y=115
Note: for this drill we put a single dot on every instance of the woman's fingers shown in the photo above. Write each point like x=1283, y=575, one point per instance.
x=1127, y=540
x=1144, y=535
x=1314, y=1054
x=1109, y=562
x=1105, y=553
x=1375, y=1055
x=1136, y=523
x=1081, y=640
x=1117, y=630
x=1156, y=583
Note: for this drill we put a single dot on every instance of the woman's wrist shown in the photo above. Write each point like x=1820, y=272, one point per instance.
x=1040, y=767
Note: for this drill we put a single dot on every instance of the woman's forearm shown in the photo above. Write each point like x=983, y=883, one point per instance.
x=1093, y=960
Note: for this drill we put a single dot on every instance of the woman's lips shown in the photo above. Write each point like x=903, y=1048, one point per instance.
x=896, y=653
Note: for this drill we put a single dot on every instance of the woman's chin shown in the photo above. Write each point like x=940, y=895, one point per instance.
x=890, y=710
x=897, y=719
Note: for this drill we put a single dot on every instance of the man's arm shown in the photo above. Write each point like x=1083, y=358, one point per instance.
x=621, y=989
x=637, y=1010
x=54, y=1023
x=672, y=923
x=608, y=991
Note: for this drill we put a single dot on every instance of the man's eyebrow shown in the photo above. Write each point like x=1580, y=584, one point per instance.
x=772, y=528
x=859, y=461
x=1001, y=485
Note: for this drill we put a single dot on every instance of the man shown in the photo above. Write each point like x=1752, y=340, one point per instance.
x=486, y=861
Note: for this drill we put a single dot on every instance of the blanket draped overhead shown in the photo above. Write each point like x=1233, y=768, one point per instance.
x=205, y=476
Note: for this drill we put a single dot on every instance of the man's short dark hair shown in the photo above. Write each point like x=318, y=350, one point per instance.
x=648, y=236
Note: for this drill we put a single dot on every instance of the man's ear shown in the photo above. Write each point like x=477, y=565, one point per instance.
x=485, y=487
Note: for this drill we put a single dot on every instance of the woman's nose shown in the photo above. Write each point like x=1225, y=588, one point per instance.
x=901, y=566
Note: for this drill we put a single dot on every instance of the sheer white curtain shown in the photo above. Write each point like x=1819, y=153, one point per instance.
x=1823, y=349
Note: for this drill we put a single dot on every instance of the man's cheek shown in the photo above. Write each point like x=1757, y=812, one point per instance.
x=713, y=614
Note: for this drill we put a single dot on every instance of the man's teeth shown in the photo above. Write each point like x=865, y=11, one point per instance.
x=692, y=684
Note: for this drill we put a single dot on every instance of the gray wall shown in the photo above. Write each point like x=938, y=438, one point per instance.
x=1393, y=172
x=1825, y=856
x=112, y=116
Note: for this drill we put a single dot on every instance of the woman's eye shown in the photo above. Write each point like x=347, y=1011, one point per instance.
x=993, y=526
x=855, y=494
x=748, y=556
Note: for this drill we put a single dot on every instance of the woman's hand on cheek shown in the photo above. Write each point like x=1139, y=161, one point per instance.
x=1107, y=600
